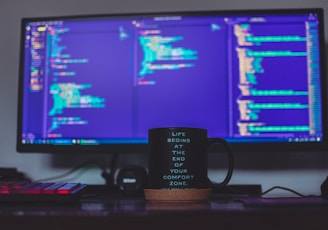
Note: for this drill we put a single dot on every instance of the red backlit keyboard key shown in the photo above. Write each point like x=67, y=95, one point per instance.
x=25, y=191
x=67, y=188
x=37, y=189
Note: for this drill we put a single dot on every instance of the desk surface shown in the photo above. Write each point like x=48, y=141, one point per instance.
x=117, y=211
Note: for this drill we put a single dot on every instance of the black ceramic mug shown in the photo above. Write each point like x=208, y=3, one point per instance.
x=178, y=158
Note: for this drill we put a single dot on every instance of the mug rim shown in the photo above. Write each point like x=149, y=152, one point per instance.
x=178, y=127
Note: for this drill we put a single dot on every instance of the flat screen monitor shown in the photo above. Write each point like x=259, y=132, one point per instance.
x=98, y=83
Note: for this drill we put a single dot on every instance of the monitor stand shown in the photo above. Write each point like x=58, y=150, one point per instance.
x=254, y=190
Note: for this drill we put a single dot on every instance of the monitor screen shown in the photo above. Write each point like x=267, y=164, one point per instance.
x=98, y=83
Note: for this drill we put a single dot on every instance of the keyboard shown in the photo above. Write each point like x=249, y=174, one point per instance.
x=27, y=191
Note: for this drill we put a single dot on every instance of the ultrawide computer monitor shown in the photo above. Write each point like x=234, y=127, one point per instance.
x=98, y=83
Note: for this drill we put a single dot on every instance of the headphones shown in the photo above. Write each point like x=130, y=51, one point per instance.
x=132, y=179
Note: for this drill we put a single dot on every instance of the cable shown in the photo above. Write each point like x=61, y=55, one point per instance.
x=286, y=189
x=240, y=190
x=109, y=177
x=75, y=168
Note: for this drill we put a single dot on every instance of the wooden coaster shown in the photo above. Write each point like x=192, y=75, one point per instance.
x=186, y=195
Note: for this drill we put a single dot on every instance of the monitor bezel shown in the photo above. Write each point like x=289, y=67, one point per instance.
x=142, y=147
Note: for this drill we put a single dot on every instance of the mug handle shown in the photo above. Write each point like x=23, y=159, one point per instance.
x=230, y=161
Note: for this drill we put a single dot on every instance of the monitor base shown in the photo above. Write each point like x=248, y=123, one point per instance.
x=239, y=190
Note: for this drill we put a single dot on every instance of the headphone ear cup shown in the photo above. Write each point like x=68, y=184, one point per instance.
x=324, y=188
x=132, y=179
